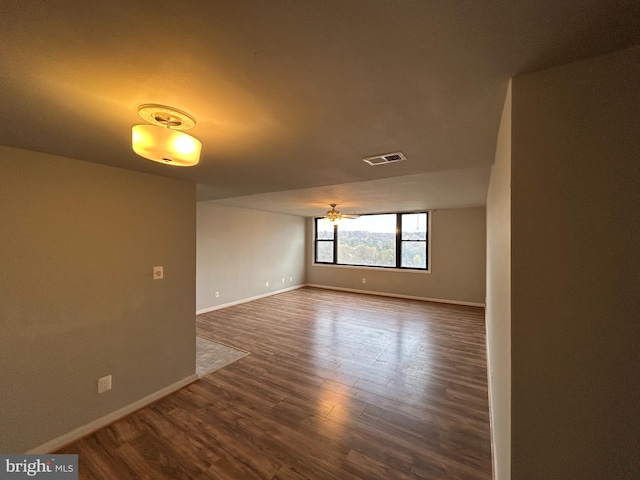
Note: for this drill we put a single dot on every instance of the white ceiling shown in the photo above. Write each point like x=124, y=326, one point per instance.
x=434, y=190
x=289, y=95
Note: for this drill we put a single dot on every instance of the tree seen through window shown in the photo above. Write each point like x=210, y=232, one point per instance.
x=397, y=240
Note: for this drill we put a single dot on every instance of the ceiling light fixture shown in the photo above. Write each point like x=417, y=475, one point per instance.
x=333, y=215
x=163, y=141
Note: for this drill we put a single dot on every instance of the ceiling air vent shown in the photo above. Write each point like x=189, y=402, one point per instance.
x=384, y=159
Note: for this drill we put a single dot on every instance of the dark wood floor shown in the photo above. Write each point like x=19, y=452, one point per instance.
x=337, y=386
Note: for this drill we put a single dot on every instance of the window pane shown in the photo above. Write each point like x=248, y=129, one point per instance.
x=414, y=226
x=324, y=229
x=368, y=240
x=324, y=252
x=414, y=254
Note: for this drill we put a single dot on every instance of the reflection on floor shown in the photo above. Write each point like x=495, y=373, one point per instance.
x=211, y=356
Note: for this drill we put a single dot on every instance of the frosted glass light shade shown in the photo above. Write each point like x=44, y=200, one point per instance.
x=164, y=145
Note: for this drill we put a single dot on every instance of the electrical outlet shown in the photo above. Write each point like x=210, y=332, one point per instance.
x=158, y=273
x=364, y=280
x=266, y=284
x=282, y=279
x=291, y=280
x=217, y=294
x=104, y=384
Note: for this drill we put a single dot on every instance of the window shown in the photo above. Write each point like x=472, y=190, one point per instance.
x=392, y=240
x=325, y=235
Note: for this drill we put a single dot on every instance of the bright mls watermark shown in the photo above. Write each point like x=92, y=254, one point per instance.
x=52, y=467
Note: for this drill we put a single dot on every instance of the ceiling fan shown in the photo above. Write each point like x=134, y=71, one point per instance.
x=334, y=215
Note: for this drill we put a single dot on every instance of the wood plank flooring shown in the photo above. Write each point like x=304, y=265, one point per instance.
x=337, y=386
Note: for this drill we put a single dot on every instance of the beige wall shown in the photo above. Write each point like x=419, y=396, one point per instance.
x=457, y=263
x=77, y=300
x=575, y=270
x=498, y=309
x=238, y=250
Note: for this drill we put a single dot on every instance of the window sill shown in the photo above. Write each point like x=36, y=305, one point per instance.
x=368, y=269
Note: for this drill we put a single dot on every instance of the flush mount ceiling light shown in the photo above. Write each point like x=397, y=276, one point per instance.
x=163, y=141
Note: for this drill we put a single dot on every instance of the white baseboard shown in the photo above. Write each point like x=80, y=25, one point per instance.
x=492, y=430
x=245, y=300
x=91, y=427
x=398, y=295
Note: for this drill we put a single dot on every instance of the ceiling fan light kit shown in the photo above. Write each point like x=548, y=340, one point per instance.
x=162, y=140
x=334, y=216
